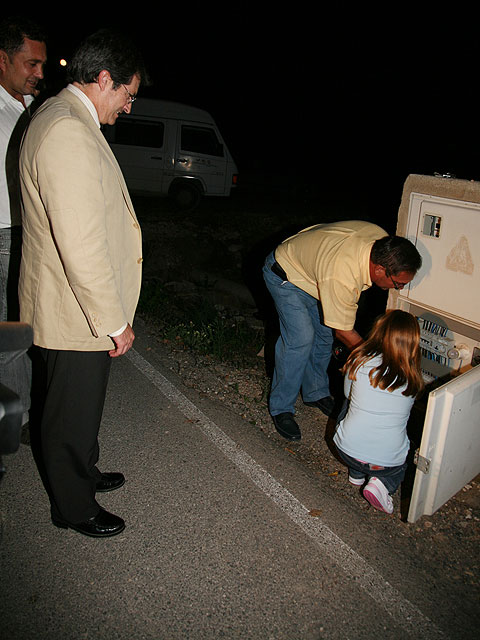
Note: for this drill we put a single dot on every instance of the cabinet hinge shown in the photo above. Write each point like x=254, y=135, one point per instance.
x=423, y=464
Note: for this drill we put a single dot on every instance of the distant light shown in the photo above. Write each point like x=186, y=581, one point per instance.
x=63, y=62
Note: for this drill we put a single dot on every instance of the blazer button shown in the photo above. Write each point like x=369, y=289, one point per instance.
x=140, y=260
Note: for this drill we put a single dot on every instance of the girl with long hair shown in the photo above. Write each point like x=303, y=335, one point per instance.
x=382, y=379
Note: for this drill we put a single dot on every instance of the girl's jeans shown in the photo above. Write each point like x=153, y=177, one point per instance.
x=392, y=477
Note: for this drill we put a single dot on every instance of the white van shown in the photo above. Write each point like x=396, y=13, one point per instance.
x=172, y=149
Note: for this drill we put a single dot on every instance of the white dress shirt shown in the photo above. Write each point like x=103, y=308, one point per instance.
x=10, y=111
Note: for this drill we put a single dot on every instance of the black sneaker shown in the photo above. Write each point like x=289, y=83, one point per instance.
x=286, y=426
x=326, y=405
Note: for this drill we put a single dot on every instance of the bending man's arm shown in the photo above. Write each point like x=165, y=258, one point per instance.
x=349, y=338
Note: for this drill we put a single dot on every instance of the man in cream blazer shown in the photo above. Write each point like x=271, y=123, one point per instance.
x=81, y=272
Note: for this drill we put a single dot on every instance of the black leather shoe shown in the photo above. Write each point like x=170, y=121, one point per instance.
x=286, y=426
x=110, y=482
x=103, y=525
x=326, y=405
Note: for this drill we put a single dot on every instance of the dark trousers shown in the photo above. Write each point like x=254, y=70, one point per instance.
x=70, y=388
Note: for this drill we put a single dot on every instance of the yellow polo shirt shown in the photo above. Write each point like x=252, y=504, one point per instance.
x=331, y=262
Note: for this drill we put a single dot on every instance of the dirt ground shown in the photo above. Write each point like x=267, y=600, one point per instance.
x=223, y=244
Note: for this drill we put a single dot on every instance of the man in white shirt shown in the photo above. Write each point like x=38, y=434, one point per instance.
x=22, y=58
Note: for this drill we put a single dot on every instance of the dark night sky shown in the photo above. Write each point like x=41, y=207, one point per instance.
x=319, y=92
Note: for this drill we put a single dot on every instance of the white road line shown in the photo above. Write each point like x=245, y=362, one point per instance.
x=404, y=613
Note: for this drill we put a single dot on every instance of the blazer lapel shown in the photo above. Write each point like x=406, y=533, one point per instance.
x=87, y=118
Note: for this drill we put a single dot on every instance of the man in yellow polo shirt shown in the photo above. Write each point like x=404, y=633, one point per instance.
x=315, y=278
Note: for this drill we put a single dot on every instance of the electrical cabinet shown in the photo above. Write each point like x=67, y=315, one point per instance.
x=441, y=216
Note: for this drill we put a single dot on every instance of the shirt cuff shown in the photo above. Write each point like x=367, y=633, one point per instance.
x=117, y=333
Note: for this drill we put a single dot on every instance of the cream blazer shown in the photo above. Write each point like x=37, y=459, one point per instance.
x=82, y=249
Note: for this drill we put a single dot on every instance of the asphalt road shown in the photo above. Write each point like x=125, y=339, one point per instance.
x=226, y=537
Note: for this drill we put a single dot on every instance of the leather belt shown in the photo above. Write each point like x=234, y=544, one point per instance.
x=278, y=271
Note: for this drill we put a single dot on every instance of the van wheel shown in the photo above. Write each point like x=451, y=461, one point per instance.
x=186, y=197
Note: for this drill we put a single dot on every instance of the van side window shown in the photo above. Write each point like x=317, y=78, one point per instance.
x=140, y=133
x=200, y=140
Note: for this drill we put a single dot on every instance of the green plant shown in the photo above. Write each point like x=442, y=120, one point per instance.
x=199, y=325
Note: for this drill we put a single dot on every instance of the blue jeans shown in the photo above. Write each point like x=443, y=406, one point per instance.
x=392, y=477
x=15, y=369
x=304, y=348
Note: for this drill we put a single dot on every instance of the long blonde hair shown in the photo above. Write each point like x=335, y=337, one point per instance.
x=396, y=337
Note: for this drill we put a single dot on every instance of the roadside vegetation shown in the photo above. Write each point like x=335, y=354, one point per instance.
x=199, y=325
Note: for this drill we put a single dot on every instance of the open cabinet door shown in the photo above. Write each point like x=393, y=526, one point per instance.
x=449, y=453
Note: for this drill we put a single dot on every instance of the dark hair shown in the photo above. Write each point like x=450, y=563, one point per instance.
x=14, y=30
x=396, y=337
x=110, y=50
x=396, y=254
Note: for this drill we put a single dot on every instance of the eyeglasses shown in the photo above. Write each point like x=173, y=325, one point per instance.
x=131, y=97
x=396, y=285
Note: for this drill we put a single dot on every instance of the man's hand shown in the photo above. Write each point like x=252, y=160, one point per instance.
x=349, y=338
x=123, y=342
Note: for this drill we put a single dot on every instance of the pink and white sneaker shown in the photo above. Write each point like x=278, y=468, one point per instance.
x=356, y=481
x=377, y=495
